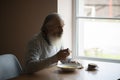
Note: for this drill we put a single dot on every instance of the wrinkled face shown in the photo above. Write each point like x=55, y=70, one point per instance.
x=55, y=29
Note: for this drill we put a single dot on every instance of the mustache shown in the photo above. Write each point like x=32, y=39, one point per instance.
x=47, y=37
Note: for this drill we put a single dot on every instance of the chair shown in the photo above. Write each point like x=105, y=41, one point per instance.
x=9, y=67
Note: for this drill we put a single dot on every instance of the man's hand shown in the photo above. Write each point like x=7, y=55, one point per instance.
x=62, y=54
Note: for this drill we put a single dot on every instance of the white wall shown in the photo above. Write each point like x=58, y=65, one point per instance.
x=65, y=10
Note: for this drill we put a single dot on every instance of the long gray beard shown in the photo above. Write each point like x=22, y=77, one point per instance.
x=55, y=41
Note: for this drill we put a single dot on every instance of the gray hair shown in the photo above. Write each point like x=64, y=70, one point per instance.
x=49, y=18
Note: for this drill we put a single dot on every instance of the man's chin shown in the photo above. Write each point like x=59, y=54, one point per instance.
x=54, y=40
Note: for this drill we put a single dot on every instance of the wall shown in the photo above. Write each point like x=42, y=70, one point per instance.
x=19, y=21
x=65, y=10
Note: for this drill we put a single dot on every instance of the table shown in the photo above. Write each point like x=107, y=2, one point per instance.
x=106, y=71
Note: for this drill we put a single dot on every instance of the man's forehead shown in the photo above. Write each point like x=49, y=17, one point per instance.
x=56, y=22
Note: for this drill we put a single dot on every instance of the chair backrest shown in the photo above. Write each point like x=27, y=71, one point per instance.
x=9, y=67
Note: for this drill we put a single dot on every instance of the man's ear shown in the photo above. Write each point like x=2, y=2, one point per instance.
x=44, y=29
x=45, y=32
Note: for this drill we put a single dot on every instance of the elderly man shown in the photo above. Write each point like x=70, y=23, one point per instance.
x=45, y=48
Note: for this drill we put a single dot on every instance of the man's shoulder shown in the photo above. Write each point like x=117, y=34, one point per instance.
x=36, y=38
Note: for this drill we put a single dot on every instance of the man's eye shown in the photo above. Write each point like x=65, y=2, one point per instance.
x=59, y=26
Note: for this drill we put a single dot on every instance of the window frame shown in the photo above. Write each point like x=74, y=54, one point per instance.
x=75, y=35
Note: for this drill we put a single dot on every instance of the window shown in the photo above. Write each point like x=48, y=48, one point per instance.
x=97, y=29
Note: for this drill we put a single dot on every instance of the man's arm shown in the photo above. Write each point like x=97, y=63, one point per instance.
x=33, y=61
x=34, y=66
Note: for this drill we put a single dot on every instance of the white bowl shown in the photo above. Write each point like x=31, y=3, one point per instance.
x=69, y=66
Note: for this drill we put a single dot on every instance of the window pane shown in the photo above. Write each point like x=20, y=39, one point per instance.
x=99, y=38
x=98, y=8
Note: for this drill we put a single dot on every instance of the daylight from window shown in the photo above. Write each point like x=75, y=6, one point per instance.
x=98, y=36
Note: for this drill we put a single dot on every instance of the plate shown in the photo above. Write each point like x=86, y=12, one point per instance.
x=69, y=66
